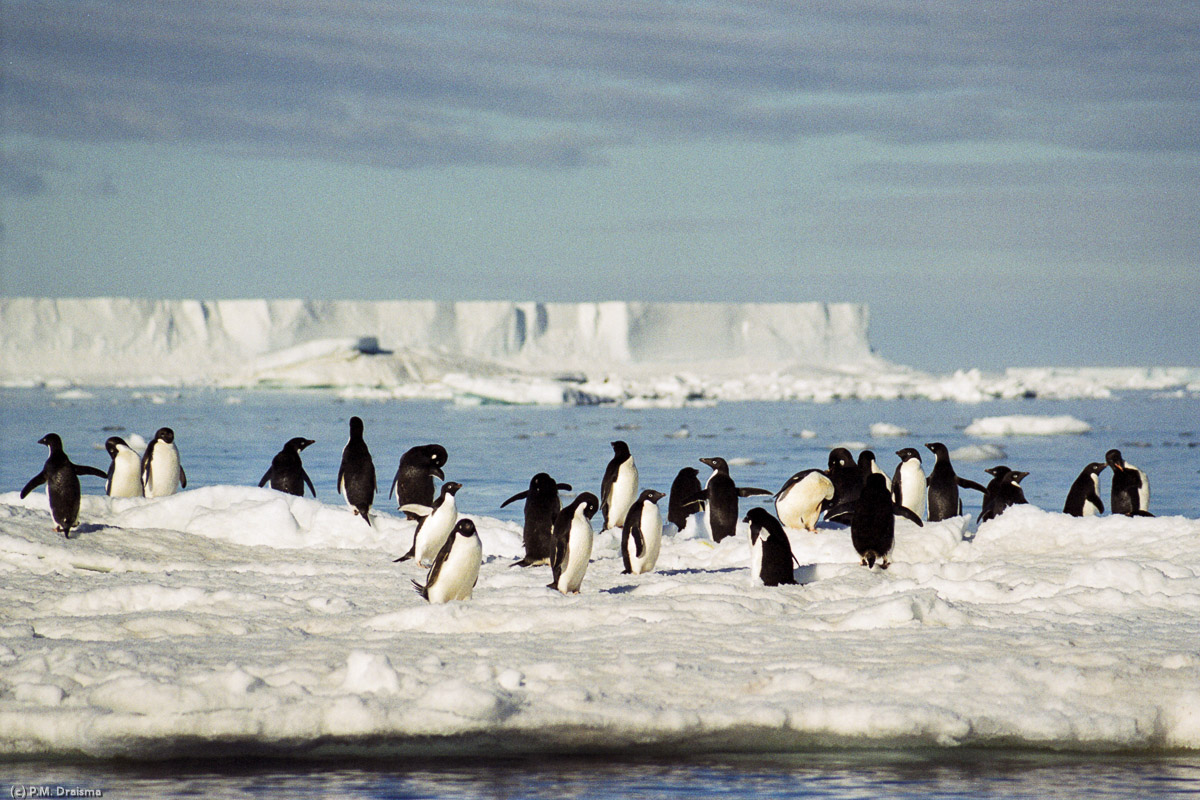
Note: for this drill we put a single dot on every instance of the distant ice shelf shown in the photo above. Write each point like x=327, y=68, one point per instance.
x=644, y=354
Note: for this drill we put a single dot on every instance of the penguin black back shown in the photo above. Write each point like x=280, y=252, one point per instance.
x=1003, y=491
x=62, y=483
x=873, y=529
x=286, y=473
x=684, y=489
x=542, y=505
x=771, y=542
x=414, y=476
x=356, y=474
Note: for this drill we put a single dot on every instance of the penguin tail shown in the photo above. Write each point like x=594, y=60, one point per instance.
x=869, y=558
x=364, y=511
x=421, y=590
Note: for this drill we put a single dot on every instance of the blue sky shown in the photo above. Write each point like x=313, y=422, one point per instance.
x=1006, y=183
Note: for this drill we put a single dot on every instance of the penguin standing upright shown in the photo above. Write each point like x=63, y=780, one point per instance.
x=684, y=489
x=873, y=529
x=455, y=569
x=414, y=476
x=1130, y=487
x=720, y=498
x=162, y=473
x=641, y=535
x=943, y=485
x=908, y=485
x=542, y=505
x=619, y=487
x=62, y=484
x=1083, y=499
x=867, y=464
x=124, y=478
x=356, y=474
x=435, y=526
x=771, y=559
x=847, y=481
x=573, y=536
x=803, y=497
x=286, y=473
x=1003, y=491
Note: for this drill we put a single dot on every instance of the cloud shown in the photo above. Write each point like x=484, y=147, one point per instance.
x=554, y=84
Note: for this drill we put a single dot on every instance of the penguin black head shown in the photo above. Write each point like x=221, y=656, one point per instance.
x=1015, y=477
x=356, y=426
x=876, y=482
x=53, y=441
x=464, y=527
x=589, y=502
x=164, y=435
x=542, y=483
x=840, y=457
x=758, y=516
x=938, y=449
x=436, y=454
x=909, y=452
x=653, y=495
x=717, y=463
x=1113, y=459
x=997, y=470
x=1094, y=468
x=297, y=444
x=450, y=487
x=620, y=449
x=865, y=458
x=111, y=445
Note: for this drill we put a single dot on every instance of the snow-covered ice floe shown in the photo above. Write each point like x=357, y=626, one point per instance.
x=1027, y=425
x=239, y=620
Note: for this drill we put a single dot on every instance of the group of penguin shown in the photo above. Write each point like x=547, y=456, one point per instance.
x=857, y=493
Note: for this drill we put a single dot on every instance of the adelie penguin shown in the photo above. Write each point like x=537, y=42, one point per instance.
x=435, y=526
x=1083, y=499
x=771, y=559
x=414, y=476
x=573, y=536
x=1130, y=487
x=684, y=490
x=162, y=473
x=542, y=505
x=943, y=485
x=873, y=529
x=286, y=473
x=455, y=570
x=62, y=484
x=124, y=478
x=803, y=497
x=867, y=464
x=908, y=484
x=847, y=480
x=641, y=535
x=356, y=474
x=619, y=487
x=720, y=499
x=1003, y=491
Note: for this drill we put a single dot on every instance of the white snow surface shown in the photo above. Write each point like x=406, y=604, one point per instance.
x=1027, y=425
x=240, y=620
x=637, y=353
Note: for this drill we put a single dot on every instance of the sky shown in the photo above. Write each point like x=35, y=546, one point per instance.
x=1004, y=184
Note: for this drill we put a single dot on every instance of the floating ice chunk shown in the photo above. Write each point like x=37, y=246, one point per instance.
x=972, y=453
x=881, y=430
x=1027, y=425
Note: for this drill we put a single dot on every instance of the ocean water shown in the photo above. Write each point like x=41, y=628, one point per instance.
x=229, y=437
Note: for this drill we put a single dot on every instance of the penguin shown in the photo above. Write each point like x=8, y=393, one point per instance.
x=847, y=481
x=997, y=472
x=62, y=484
x=162, y=474
x=720, y=498
x=573, y=543
x=641, y=535
x=867, y=464
x=771, y=559
x=1005, y=490
x=684, y=488
x=803, y=497
x=435, y=526
x=943, y=485
x=286, y=472
x=356, y=474
x=908, y=485
x=1083, y=499
x=455, y=570
x=124, y=478
x=1130, y=487
x=873, y=528
x=414, y=476
x=619, y=487
x=542, y=505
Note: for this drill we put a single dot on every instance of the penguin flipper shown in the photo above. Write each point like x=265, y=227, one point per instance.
x=365, y=512
x=421, y=590
x=183, y=480
x=966, y=483
x=515, y=497
x=266, y=477
x=308, y=480
x=564, y=487
x=84, y=469
x=417, y=508
x=750, y=491
x=907, y=513
x=34, y=482
x=1141, y=513
x=696, y=499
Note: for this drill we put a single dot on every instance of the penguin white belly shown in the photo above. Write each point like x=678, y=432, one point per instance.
x=1143, y=490
x=435, y=530
x=456, y=579
x=756, y=559
x=800, y=506
x=652, y=526
x=1090, y=509
x=579, y=552
x=912, y=487
x=127, y=474
x=624, y=492
x=162, y=478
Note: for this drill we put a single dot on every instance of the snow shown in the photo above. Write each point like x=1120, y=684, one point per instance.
x=232, y=619
x=1027, y=425
x=643, y=355
x=883, y=430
